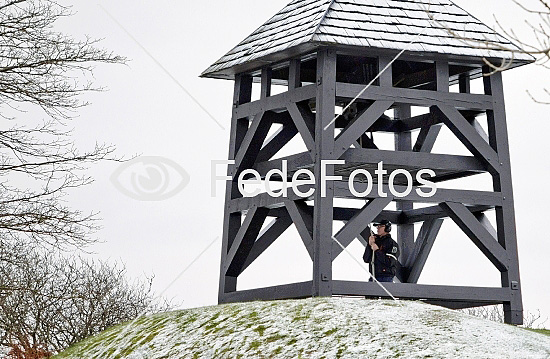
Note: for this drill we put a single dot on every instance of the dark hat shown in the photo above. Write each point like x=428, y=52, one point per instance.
x=383, y=222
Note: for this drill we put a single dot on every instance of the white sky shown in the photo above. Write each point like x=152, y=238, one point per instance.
x=145, y=112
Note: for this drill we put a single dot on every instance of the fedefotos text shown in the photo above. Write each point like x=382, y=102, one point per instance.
x=251, y=187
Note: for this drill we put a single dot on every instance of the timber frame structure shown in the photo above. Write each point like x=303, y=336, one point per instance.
x=317, y=83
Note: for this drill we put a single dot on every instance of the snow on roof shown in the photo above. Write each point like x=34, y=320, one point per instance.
x=427, y=26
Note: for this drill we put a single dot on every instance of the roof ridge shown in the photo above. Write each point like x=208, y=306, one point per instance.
x=321, y=20
x=302, y=25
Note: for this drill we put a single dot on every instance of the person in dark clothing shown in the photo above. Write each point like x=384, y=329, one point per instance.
x=386, y=253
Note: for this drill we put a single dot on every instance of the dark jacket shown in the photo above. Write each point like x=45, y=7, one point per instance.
x=385, y=258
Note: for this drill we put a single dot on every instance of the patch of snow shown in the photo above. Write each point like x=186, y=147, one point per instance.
x=314, y=328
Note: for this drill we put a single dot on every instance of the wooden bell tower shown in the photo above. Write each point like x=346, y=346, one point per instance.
x=384, y=60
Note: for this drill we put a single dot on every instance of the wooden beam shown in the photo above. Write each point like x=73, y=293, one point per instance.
x=265, y=200
x=423, y=291
x=442, y=195
x=275, y=102
x=385, y=124
x=478, y=234
x=302, y=216
x=294, y=162
x=482, y=218
x=305, y=123
x=294, y=80
x=502, y=182
x=366, y=142
x=469, y=136
x=341, y=190
x=405, y=232
x=294, y=290
x=266, y=239
x=324, y=144
x=282, y=118
x=346, y=214
x=267, y=75
x=415, y=97
x=359, y=126
x=419, y=122
x=386, y=78
x=232, y=221
x=460, y=305
x=243, y=90
x=276, y=142
x=426, y=138
x=442, y=75
x=414, y=159
x=244, y=240
x=358, y=223
x=435, y=212
x=464, y=83
x=366, y=156
x=423, y=245
x=252, y=143
x=477, y=126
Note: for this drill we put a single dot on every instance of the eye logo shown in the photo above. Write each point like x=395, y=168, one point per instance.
x=150, y=178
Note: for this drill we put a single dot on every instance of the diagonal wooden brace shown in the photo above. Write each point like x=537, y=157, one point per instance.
x=302, y=216
x=305, y=123
x=359, y=126
x=468, y=135
x=266, y=238
x=423, y=245
x=478, y=234
x=252, y=142
x=358, y=223
x=276, y=142
x=244, y=240
x=426, y=138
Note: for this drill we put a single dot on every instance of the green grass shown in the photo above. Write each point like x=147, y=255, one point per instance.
x=254, y=344
x=541, y=331
x=275, y=338
x=258, y=338
x=331, y=331
x=260, y=330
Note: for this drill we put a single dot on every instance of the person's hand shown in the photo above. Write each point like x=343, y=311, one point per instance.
x=372, y=243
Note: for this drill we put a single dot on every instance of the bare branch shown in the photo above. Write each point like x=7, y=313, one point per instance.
x=48, y=302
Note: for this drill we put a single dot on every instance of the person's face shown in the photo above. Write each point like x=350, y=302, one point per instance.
x=380, y=229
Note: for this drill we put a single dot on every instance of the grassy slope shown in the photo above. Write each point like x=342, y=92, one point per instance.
x=542, y=331
x=313, y=328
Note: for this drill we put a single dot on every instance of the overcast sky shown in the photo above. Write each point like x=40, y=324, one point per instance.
x=146, y=112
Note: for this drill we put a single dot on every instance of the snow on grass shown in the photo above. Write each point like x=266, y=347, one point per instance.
x=314, y=328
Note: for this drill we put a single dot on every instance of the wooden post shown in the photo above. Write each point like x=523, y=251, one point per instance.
x=324, y=148
x=266, y=77
x=294, y=80
x=232, y=221
x=502, y=182
x=405, y=232
x=442, y=76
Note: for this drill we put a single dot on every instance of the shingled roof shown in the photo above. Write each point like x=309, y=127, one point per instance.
x=303, y=25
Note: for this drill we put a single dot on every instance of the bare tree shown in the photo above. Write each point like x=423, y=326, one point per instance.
x=537, y=44
x=50, y=302
x=495, y=313
x=43, y=69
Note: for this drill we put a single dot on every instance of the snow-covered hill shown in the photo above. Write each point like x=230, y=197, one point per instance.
x=314, y=328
